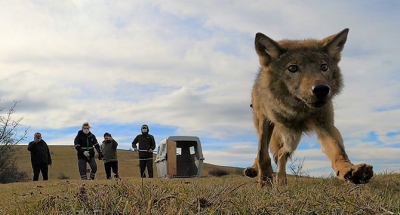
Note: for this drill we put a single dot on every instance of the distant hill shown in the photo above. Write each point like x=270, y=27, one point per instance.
x=65, y=163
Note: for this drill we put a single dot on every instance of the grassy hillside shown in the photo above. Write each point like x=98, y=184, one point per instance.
x=65, y=163
x=206, y=195
x=232, y=194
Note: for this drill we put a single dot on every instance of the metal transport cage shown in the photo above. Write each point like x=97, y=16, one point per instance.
x=179, y=157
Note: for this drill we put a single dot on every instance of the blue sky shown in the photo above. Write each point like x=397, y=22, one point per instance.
x=187, y=68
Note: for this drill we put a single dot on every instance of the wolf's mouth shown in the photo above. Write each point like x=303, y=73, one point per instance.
x=318, y=104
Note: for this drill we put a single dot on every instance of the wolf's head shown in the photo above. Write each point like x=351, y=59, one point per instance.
x=302, y=70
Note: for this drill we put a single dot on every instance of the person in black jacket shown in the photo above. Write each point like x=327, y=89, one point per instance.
x=40, y=157
x=85, y=142
x=146, y=146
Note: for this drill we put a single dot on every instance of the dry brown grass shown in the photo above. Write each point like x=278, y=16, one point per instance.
x=207, y=195
x=232, y=194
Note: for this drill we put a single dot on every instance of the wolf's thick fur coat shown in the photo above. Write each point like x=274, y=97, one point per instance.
x=292, y=94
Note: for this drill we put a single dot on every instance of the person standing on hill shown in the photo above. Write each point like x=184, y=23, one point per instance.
x=40, y=157
x=109, y=150
x=146, y=146
x=85, y=142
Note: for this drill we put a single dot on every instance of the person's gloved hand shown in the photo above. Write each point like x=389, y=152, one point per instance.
x=86, y=153
x=135, y=149
x=101, y=156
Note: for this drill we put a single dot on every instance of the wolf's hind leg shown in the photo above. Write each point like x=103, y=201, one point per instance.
x=283, y=156
x=281, y=152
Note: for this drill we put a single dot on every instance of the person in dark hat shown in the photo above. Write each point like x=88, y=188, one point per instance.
x=109, y=150
x=146, y=146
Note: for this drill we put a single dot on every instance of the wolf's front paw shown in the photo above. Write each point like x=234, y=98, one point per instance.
x=250, y=172
x=359, y=174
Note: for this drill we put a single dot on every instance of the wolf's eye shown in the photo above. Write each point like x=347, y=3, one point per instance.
x=324, y=67
x=293, y=68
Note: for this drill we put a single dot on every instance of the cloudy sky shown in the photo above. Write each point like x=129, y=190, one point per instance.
x=187, y=68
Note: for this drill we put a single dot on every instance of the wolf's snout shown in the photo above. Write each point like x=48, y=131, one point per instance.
x=321, y=91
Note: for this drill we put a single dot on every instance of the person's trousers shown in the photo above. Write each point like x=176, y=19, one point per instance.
x=41, y=167
x=82, y=168
x=143, y=163
x=111, y=165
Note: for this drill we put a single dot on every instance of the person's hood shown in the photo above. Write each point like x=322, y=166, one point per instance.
x=145, y=126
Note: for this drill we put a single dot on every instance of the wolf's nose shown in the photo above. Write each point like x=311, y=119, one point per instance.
x=321, y=90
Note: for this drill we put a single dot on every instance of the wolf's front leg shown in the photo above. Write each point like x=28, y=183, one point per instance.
x=265, y=173
x=262, y=165
x=332, y=144
x=252, y=171
x=262, y=168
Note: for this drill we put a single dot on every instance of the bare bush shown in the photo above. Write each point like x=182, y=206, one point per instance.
x=9, y=136
x=297, y=169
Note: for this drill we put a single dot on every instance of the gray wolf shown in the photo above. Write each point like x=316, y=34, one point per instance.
x=292, y=95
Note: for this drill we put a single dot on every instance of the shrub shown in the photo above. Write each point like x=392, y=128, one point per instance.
x=9, y=129
x=218, y=172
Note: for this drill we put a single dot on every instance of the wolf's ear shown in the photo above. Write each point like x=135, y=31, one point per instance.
x=266, y=49
x=334, y=44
